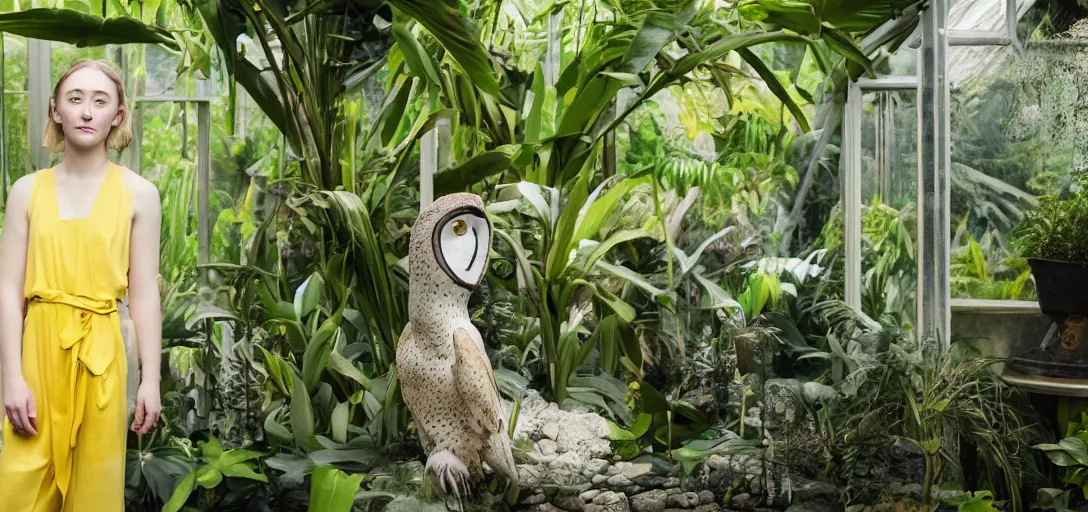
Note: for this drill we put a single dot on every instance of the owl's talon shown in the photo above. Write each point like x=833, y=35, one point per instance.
x=449, y=469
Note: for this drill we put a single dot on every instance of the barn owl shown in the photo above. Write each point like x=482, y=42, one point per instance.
x=445, y=376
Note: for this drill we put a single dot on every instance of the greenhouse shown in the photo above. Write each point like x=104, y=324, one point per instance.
x=603, y=255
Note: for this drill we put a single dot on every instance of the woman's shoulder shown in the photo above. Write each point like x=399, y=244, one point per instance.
x=134, y=182
x=25, y=184
x=142, y=189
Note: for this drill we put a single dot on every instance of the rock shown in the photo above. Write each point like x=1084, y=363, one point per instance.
x=544, y=507
x=595, y=466
x=718, y=463
x=582, y=432
x=651, y=481
x=709, y=507
x=528, y=475
x=616, y=480
x=674, y=490
x=609, y=498
x=599, y=479
x=550, y=431
x=609, y=502
x=539, y=458
x=547, y=447
x=569, y=503
x=637, y=470
x=671, y=482
x=745, y=501
x=649, y=501
x=569, y=461
x=705, y=497
x=623, y=466
x=808, y=491
x=683, y=500
x=534, y=499
x=590, y=494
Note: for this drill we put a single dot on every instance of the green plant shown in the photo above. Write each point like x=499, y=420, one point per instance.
x=981, y=501
x=1057, y=229
x=1071, y=454
x=231, y=468
x=928, y=398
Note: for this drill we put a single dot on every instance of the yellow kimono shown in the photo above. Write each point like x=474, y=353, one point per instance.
x=73, y=356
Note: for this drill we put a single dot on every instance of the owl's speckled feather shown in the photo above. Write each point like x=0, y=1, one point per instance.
x=445, y=376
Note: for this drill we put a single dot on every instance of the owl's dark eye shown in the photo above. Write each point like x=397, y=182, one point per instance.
x=459, y=227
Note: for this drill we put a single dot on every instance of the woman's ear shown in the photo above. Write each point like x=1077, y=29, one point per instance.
x=53, y=110
x=122, y=111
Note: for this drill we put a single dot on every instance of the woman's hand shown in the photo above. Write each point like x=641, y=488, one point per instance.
x=19, y=406
x=148, y=407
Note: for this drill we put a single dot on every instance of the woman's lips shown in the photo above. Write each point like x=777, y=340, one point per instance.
x=85, y=129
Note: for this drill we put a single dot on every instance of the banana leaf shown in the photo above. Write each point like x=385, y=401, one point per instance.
x=82, y=29
x=451, y=29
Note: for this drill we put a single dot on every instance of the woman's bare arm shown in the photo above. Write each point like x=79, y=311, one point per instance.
x=144, y=301
x=18, y=402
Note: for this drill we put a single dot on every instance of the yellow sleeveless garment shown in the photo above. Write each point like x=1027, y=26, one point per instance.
x=73, y=356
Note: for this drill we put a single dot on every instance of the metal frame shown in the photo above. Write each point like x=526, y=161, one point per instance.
x=934, y=162
x=204, y=165
x=852, y=175
x=933, y=299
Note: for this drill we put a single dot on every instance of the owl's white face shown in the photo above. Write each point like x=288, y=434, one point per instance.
x=461, y=242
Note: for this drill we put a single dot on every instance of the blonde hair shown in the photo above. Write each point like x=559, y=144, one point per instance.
x=119, y=135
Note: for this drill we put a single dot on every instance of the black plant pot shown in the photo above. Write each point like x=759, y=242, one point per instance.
x=1062, y=287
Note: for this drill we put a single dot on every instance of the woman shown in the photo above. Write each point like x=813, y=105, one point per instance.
x=77, y=237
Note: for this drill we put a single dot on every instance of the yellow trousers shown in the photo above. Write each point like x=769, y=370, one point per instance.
x=75, y=366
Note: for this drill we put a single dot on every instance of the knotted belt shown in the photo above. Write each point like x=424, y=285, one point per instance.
x=94, y=335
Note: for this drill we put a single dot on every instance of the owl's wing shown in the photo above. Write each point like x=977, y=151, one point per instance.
x=476, y=385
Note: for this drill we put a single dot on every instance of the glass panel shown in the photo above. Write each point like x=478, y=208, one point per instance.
x=1013, y=138
x=902, y=63
x=983, y=15
x=64, y=55
x=15, y=63
x=16, y=136
x=889, y=168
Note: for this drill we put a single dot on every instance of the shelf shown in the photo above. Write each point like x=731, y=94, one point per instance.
x=994, y=306
x=1047, y=385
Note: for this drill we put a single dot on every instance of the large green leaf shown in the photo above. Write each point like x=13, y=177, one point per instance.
x=333, y=490
x=308, y=294
x=82, y=29
x=225, y=26
x=776, y=86
x=181, y=493
x=474, y=170
x=302, y=413
x=451, y=29
x=316, y=357
x=419, y=62
x=657, y=31
x=806, y=16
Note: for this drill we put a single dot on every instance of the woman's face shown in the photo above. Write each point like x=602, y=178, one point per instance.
x=86, y=107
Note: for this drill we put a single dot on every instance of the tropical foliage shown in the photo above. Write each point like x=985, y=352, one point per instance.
x=663, y=182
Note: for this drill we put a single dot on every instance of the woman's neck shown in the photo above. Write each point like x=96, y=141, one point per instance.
x=83, y=163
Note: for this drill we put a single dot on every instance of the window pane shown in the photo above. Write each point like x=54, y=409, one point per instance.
x=1013, y=138
x=889, y=133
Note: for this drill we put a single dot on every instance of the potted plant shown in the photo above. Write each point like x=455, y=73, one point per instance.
x=1054, y=239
